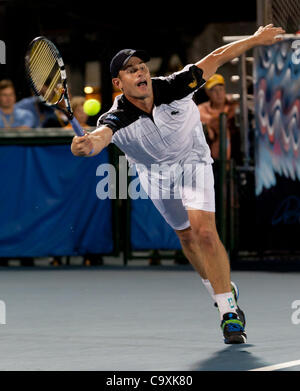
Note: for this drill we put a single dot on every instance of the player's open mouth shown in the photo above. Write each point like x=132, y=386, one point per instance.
x=142, y=83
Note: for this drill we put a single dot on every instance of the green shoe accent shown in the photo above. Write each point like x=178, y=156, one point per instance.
x=224, y=323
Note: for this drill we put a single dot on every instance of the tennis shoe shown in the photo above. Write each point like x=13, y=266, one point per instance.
x=233, y=329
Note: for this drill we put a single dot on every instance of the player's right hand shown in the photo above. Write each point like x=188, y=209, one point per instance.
x=268, y=35
x=81, y=146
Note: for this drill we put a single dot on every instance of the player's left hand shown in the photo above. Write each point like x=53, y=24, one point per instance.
x=267, y=35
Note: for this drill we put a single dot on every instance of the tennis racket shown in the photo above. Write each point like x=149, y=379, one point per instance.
x=47, y=77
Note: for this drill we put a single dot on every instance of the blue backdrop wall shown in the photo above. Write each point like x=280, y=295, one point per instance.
x=48, y=203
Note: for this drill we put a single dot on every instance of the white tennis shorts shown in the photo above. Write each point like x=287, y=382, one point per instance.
x=177, y=188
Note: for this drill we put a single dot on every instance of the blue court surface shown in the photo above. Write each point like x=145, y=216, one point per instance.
x=142, y=318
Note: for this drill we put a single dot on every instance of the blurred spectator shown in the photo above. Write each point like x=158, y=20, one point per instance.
x=10, y=115
x=219, y=102
x=77, y=103
x=44, y=116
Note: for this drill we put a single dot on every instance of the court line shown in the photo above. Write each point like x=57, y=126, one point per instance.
x=287, y=364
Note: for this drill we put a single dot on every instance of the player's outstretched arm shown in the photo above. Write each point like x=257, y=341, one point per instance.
x=266, y=35
x=91, y=144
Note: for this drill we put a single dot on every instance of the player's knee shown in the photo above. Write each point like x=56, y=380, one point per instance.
x=187, y=238
x=208, y=238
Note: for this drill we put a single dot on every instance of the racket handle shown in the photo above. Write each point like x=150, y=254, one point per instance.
x=78, y=130
x=76, y=127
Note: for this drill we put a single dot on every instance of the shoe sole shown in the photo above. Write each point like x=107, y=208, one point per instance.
x=236, y=339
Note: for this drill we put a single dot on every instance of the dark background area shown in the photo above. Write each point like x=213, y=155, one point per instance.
x=96, y=30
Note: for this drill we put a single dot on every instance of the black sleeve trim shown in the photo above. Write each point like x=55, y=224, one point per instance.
x=178, y=85
x=115, y=120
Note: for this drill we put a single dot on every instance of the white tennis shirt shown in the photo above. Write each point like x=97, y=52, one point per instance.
x=172, y=131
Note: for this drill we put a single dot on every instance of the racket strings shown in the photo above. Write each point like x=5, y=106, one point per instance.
x=39, y=51
x=41, y=73
x=45, y=72
x=41, y=62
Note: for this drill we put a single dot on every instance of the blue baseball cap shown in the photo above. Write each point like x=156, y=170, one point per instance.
x=123, y=56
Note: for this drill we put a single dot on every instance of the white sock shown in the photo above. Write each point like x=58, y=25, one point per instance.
x=226, y=303
x=209, y=288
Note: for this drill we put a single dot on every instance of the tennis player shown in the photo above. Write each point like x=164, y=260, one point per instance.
x=155, y=122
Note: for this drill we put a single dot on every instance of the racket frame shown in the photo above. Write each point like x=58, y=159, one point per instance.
x=65, y=95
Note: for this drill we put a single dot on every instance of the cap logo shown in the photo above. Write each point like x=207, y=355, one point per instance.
x=129, y=52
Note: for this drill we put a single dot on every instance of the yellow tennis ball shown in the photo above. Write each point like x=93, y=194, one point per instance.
x=92, y=106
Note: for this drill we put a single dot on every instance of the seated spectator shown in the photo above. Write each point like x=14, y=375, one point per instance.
x=44, y=116
x=10, y=115
x=219, y=102
x=77, y=103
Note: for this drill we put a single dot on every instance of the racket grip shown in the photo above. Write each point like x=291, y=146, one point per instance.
x=76, y=127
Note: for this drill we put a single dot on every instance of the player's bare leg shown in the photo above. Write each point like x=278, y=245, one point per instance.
x=191, y=249
x=203, y=248
x=214, y=255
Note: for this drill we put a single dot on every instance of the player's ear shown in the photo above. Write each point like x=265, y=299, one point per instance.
x=117, y=83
